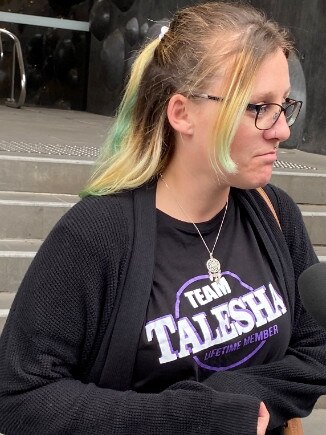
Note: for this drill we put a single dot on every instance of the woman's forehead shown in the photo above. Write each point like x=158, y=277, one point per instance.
x=272, y=77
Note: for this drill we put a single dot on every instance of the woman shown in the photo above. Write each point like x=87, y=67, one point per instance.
x=166, y=300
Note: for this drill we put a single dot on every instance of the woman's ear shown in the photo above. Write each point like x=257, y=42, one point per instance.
x=179, y=114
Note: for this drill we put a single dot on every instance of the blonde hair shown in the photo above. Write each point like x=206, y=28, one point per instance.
x=201, y=42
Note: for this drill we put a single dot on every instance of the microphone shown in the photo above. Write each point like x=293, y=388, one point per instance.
x=312, y=289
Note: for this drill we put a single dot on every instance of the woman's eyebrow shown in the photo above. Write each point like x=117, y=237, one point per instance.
x=268, y=95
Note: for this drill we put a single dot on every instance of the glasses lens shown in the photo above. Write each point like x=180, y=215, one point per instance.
x=292, y=112
x=267, y=115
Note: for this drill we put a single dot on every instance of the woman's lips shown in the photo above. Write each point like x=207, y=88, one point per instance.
x=269, y=156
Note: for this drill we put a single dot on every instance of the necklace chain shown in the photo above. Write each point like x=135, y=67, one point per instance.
x=212, y=264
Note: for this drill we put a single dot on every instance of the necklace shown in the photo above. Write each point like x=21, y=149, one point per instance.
x=212, y=264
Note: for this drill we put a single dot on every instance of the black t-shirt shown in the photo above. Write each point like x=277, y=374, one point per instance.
x=195, y=327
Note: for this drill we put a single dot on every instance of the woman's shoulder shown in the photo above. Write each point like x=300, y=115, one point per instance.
x=273, y=197
x=107, y=217
x=284, y=204
x=102, y=207
x=274, y=193
x=279, y=194
x=278, y=197
x=112, y=217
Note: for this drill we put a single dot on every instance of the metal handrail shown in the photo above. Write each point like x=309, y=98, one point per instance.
x=11, y=102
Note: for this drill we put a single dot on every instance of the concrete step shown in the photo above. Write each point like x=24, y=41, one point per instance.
x=303, y=187
x=302, y=175
x=15, y=258
x=35, y=174
x=69, y=175
x=314, y=217
x=26, y=215
x=321, y=403
x=6, y=299
x=321, y=252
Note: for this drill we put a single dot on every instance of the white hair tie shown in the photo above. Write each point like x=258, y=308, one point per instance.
x=164, y=29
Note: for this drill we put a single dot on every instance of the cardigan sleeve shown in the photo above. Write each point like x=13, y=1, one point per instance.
x=51, y=331
x=291, y=386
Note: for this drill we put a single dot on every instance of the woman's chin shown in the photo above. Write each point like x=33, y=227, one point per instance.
x=252, y=182
x=260, y=180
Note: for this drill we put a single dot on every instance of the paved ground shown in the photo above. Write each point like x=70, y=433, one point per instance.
x=44, y=132
x=39, y=131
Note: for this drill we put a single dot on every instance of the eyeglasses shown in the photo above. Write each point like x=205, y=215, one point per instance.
x=266, y=115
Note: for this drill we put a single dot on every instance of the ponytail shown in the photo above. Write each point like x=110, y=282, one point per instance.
x=117, y=164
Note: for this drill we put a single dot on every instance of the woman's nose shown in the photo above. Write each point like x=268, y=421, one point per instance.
x=280, y=130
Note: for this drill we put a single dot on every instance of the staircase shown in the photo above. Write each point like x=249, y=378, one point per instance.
x=36, y=191
x=27, y=216
x=47, y=155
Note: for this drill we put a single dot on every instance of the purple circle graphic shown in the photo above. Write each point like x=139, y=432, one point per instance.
x=177, y=315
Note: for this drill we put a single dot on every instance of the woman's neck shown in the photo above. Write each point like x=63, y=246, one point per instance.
x=191, y=196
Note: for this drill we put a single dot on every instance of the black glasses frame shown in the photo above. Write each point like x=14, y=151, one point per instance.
x=289, y=103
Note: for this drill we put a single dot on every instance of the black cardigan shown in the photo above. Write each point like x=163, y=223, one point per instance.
x=57, y=375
